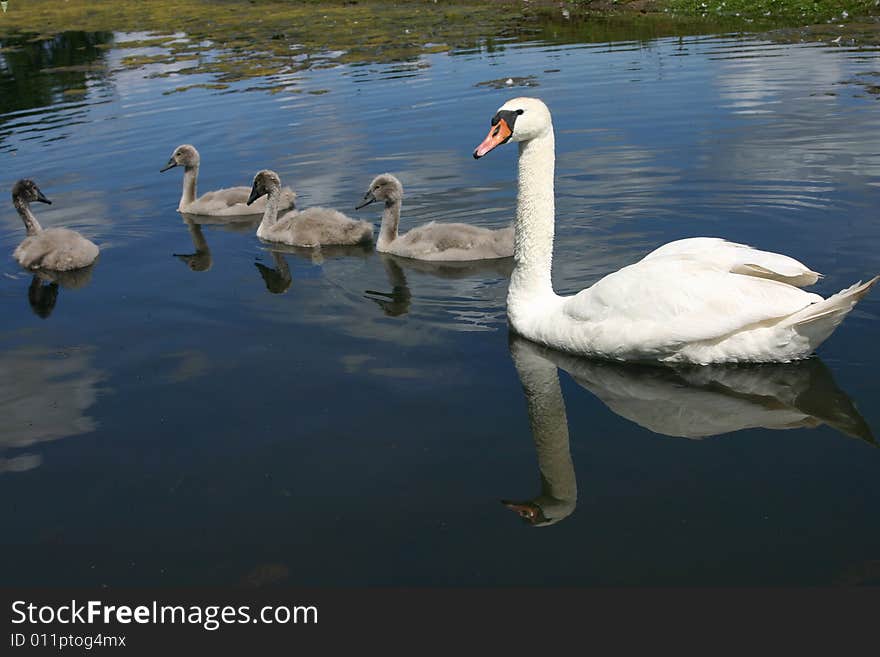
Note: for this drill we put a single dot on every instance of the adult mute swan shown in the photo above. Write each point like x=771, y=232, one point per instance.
x=438, y=242
x=700, y=300
x=310, y=227
x=54, y=249
x=228, y=202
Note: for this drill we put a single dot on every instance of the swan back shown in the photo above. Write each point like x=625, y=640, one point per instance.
x=740, y=259
x=454, y=242
x=56, y=249
x=316, y=226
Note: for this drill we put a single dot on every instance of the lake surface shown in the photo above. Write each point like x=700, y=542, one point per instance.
x=202, y=409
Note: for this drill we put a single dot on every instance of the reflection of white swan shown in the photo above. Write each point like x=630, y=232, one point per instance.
x=44, y=397
x=702, y=300
x=549, y=425
x=695, y=402
x=691, y=402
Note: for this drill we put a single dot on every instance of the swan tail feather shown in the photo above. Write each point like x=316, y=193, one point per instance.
x=817, y=321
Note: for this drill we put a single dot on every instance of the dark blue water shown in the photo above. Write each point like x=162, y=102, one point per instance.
x=202, y=410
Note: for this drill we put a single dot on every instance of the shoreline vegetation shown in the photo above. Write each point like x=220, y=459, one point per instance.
x=74, y=14
x=234, y=40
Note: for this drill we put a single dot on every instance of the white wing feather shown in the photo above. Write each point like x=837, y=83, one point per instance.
x=664, y=301
x=740, y=259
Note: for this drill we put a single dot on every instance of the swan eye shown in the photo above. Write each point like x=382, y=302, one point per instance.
x=520, y=111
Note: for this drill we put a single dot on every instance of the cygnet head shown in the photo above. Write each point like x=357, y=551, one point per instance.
x=26, y=191
x=184, y=155
x=385, y=188
x=264, y=182
x=519, y=119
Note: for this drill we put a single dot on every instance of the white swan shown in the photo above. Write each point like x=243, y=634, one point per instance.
x=439, y=242
x=702, y=300
x=310, y=227
x=53, y=249
x=228, y=202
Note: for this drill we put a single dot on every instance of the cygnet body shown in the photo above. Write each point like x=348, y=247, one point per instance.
x=310, y=227
x=54, y=249
x=433, y=241
x=228, y=202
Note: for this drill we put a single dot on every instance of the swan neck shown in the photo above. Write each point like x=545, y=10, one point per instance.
x=535, y=216
x=390, y=223
x=31, y=225
x=190, y=176
x=270, y=215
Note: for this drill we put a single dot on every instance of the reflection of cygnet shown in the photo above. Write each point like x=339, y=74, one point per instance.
x=277, y=280
x=396, y=302
x=42, y=298
x=549, y=426
x=44, y=287
x=201, y=259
